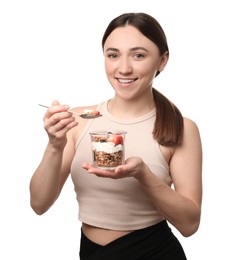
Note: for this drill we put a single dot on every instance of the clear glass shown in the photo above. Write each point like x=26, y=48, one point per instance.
x=108, y=148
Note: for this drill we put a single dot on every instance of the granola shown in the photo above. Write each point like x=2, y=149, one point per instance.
x=108, y=150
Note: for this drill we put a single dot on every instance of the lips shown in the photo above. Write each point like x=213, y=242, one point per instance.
x=125, y=81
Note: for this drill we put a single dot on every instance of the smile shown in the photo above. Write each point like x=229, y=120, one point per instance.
x=126, y=81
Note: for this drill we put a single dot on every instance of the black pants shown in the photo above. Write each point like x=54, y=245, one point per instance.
x=152, y=243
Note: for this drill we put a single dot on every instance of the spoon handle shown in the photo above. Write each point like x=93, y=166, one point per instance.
x=68, y=110
x=43, y=105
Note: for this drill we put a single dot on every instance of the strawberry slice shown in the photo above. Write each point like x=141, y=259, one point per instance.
x=116, y=139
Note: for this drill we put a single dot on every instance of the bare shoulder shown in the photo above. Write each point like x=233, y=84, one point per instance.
x=189, y=122
x=191, y=136
x=191, y=145
x=190, y=127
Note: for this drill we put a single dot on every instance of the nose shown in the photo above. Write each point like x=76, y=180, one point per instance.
x=125, y=66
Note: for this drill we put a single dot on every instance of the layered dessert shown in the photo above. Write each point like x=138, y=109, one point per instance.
x=108, y=149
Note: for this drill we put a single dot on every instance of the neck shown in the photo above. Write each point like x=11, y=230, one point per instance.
x=130, y=108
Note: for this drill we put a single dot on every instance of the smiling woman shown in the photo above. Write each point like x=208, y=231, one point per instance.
x=125, y=211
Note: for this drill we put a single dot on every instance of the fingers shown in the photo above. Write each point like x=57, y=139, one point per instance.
x=56, y=108
x=55, y=103
x=102, y=172
x=57, y=122
x=59, y=127
x=132, y=167
x=57, y=112
x=58, y=118
x=87, y=166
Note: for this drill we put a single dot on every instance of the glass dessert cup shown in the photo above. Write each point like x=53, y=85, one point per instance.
x=108, y=148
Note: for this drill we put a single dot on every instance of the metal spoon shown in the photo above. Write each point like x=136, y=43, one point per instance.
x=84, y=115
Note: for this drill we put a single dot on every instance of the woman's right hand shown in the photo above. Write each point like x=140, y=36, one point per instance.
x=57, y=122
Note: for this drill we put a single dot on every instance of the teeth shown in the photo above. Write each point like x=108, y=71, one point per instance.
x=125, y=80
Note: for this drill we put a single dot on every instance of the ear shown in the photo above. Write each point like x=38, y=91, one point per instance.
x=163, y=62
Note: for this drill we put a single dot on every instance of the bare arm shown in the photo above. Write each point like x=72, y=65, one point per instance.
x=181, y=206
x=53, y=170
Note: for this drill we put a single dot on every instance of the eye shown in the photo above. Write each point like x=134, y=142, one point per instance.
x=112, y=55
x=138, y=56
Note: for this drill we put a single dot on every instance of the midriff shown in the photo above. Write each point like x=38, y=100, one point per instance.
x=102, y=236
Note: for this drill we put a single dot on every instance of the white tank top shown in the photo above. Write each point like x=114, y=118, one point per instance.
x=118, y=204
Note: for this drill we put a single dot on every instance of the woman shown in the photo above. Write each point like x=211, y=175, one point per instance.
x=125, y=211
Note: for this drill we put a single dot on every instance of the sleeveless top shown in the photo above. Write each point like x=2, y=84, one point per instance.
x=118, y=204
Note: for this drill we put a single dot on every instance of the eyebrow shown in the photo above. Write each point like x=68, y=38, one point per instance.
x=132, y=49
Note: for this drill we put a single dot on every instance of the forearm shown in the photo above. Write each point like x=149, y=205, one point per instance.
x=45, y=182
x=180, y=211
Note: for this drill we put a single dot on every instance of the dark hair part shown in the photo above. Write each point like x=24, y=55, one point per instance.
x=168, y=127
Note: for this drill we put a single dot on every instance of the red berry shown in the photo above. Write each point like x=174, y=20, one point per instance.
x=116, y=139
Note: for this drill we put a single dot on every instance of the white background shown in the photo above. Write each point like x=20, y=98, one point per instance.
x=52, y=50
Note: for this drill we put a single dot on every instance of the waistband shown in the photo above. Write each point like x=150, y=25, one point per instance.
x=147, y=243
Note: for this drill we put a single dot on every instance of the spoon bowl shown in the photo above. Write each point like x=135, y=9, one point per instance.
x=84, y=115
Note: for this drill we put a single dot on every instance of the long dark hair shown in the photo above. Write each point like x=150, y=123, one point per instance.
x=168, y=127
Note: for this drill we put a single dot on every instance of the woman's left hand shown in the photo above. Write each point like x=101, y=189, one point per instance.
x=132, y=168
